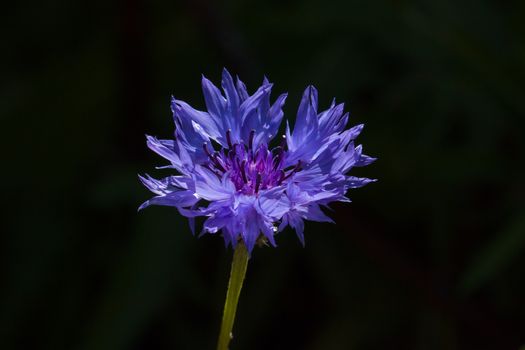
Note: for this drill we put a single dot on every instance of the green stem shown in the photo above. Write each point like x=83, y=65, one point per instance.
x=238, y=270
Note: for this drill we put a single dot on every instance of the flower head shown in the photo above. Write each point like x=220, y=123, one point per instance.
x=229, y=173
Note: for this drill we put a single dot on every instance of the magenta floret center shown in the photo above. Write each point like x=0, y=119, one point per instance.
x=250, y=168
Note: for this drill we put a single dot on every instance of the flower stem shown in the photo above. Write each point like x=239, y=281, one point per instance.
x=238, y=270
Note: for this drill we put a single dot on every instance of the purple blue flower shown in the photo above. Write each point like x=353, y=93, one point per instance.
x=228, y=173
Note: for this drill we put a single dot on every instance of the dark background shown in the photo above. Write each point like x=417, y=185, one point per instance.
x=430, y=257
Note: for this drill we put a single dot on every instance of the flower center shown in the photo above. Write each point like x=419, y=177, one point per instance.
x=251, y=170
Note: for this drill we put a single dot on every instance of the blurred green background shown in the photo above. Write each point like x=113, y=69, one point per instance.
x=430, y=257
